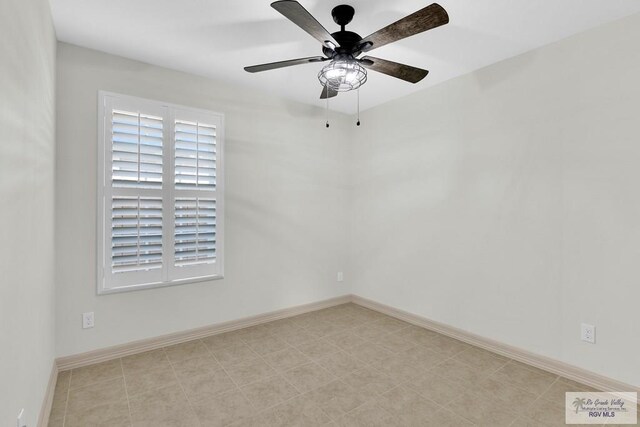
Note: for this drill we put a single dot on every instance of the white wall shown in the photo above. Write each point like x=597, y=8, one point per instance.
x=27, y=130
x=507, y=202
x=285, y=205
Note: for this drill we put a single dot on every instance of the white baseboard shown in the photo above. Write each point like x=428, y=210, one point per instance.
x=45, y=411
x=109, y=353
x=557, y=367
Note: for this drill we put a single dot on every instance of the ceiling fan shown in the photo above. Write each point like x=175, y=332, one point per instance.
x=345, y=70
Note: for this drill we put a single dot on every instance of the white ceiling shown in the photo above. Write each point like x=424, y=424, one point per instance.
x=217, y=38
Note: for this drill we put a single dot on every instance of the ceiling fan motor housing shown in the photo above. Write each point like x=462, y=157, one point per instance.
x=342, y=14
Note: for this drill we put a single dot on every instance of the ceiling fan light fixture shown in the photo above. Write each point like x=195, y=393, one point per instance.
x=342, y=75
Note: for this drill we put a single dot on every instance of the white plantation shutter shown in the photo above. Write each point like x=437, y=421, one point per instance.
x=160, y=197
x=136, y=233
x=195, y=161
x=196, y=194
x=195, y=231
x=136, y=149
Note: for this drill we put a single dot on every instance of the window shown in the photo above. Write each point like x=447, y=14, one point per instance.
x=160, y=194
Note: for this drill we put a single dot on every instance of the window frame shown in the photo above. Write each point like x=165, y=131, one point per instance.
x=169, y=193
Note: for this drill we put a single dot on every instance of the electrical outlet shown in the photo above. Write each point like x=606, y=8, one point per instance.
x=588, y=333
x=21, y=419
x=87, y=320
x=340, y=277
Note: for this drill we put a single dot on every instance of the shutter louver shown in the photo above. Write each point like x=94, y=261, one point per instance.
x=136, y=150
x=136, y=234
x=195, y=155
x=195, y=231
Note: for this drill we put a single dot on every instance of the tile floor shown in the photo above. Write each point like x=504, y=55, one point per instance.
x=341, y=366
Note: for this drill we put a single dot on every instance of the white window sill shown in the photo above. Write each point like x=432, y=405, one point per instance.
x=132, y=288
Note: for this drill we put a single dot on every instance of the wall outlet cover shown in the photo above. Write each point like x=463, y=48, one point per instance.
x=87, y=320
x=588, y=333
x=340, y=276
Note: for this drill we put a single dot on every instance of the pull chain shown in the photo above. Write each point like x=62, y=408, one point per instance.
x=326, y=88
x=358, y=123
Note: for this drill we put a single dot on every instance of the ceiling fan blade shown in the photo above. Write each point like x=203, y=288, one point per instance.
x=394, y=69
x=303, y=19
x=425, y=19
x=281, y=64
x=328, y=93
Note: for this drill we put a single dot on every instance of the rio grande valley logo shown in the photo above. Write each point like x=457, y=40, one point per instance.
x=601, y=408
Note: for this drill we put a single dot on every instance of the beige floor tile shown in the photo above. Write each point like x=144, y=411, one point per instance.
x=368, y=331
x=347, y=322
x=459, y=372
x=196, y=366
x=446, y=418
x=558, y=389
x=447, y=346
x=482, y=410
x=367, y=369
x=205, y=386
x=417, y=335
x=158, y=404
x=155, y=359
x=481, y=359
x=110, y=391
x=436, y=388
x=217, y=342
x=345, y=340
x=317, y=348
x=250, y=371
x=389, y=325
x=398, y=367
x=143, y=381
x=187, y=350
x=323, y=328
x=371, y=380
x=58, y=408
x=266, y=345
x=62, y=382
x=340, y=363
x=269, y=392
x=268, y=418
x=308, y=377
x=300, y=411
x=286, y=359
x=338, y=398
x=306, y=319
x=369, y=352
x=184, y=418
x=535, y=381
x=394, y=342
x=423, y=358
x=56, y=421
x=369, y=415
x=546, y=412
x=223, y=410
x=86, y=375
x=298, y=337
x=234, y=354
x=407, y=406
x=253, y=332
x=512, y=396
x=105, y=415
x=282, y=326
